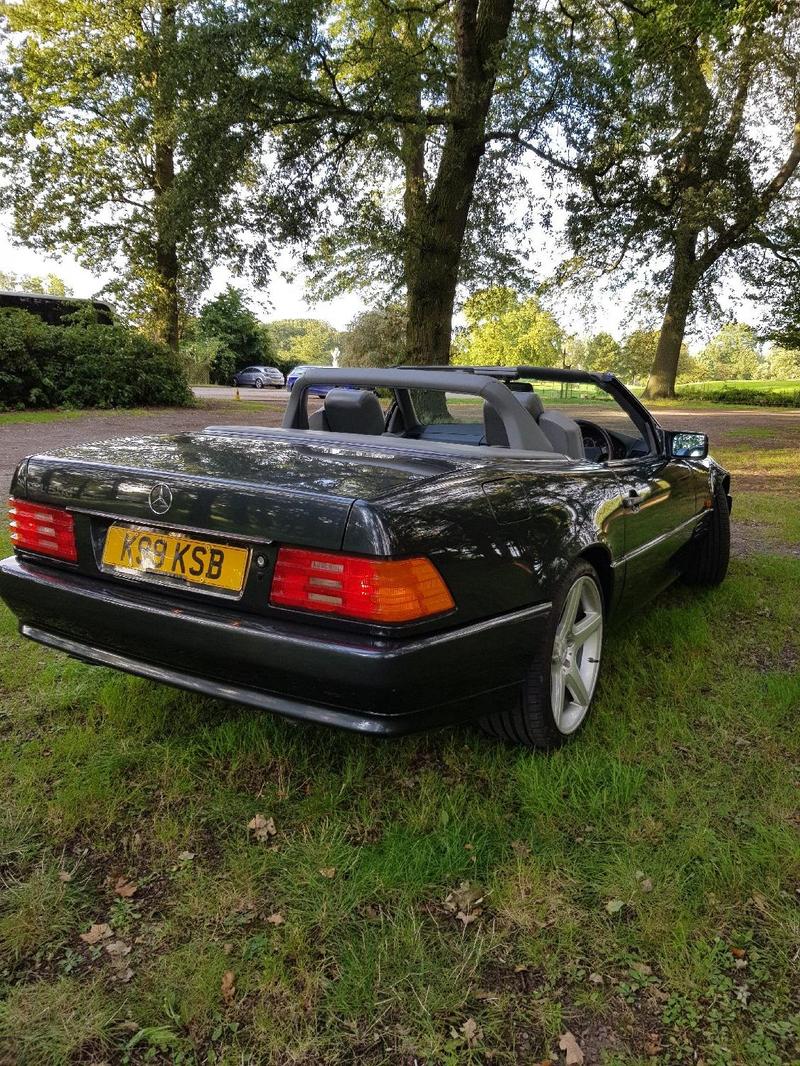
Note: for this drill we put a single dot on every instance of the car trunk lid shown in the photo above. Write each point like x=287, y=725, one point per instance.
x=258, y=487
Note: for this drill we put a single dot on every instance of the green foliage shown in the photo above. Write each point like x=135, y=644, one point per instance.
x=301, y=341
x=783, y=363
x=732, y=354
x=504, y=329
x=197, y=353
x=639, y=352
x=603, y=353
x=29, y=364
x=241, y=338
x=656, y=132
x=128, y=138
x=49, y=285
x=375, y=338
x=84, y=364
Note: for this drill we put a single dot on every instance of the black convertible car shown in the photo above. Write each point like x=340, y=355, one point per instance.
x=436, y=546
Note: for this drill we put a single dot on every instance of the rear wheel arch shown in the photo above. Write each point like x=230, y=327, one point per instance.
x=599, y=557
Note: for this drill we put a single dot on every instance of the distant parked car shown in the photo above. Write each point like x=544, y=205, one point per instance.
x=313, y=390
x=259, y=377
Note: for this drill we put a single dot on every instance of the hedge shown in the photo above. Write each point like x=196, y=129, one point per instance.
x=84, y=364
x=738, y=395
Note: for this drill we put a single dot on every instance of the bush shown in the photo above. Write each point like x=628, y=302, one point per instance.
x=28, y=350
x=84, y=364
x=223, y=365
x=737, y=394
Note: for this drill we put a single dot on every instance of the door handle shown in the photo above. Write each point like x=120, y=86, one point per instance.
x=632, y=501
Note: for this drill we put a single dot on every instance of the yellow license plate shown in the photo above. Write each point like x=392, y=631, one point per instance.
x=156, y=554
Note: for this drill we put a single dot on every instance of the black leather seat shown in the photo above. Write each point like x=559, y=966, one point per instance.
x=559, y=433
x=350, y=411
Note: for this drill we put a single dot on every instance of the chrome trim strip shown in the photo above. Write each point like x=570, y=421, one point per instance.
x=282, y=705
x=662, y=537
x=475, y=628
x=148, y=521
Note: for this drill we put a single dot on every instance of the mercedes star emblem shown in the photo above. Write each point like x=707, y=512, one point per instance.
x=160, y=498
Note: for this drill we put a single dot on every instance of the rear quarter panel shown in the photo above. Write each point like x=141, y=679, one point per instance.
x=502, y=537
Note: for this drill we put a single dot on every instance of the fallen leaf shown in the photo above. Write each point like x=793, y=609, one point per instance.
x=646, y=885
x=123, y=975
x=64, y=876
x=328, y=871
x=740, y=964
x=521, y=968
x=573, y=1056
x=738, y=953
x=101, y=931
x=228, y=986
x=275, y=919
x=614, y=906
x=467, y=918
x=653, y=1046
x=596, y=978
x=227, y=948
x=185, y=856
x=261, y=827
x=125, y=888
x=470, y=1031
x=464, y=898
x=642, y=968
x=118, y=949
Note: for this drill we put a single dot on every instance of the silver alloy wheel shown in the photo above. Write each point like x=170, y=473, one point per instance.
x=576, y=655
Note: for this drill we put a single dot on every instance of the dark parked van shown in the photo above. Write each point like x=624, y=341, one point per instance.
x=53, y=309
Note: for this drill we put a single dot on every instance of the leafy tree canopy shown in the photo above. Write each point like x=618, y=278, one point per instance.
x=784, y=363
x=657, y=128
x=128, y=137
x=49, y=285
x=228, y=319
x=732, y=354
x=375, y=337
x=304, y=340
x=504, y=329
x=603, y=353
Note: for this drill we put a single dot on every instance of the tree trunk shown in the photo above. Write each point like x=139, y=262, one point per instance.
x=436, y=222
x=661, y=382
x=167, y=303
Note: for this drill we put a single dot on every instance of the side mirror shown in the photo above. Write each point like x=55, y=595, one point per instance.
x=684, y=445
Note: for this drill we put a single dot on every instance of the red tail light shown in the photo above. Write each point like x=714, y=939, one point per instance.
x=376, y=590
x=45, y=530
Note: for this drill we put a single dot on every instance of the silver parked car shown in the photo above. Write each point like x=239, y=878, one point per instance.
x=259, y=377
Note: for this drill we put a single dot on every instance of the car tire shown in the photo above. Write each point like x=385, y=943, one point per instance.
x=710, y=553
x=535, y=720
x=259, y=384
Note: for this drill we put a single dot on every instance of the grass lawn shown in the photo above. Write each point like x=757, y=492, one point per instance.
x=12, y=418
x=769, y=385
x=440, y=900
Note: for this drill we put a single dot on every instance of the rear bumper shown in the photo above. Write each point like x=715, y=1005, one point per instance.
x=386, y=687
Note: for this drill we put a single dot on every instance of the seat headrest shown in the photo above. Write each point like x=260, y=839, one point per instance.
x=353, y=411
x=532, y=403
x=495, y=430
